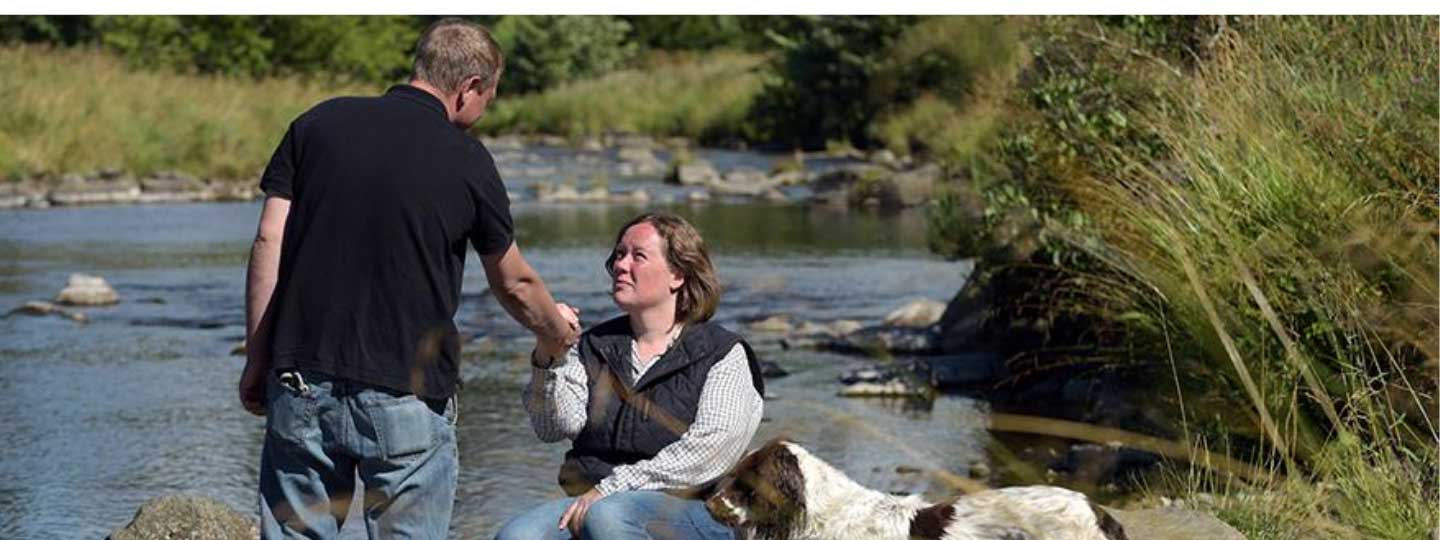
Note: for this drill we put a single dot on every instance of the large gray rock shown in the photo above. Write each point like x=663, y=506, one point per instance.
x=1173, y=523
x=187, y=517
x=85, y=290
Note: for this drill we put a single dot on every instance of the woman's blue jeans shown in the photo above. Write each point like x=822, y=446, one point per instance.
x=323, y=432
x=628, y=515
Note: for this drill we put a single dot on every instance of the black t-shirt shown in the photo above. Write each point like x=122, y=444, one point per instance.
x=385, y=195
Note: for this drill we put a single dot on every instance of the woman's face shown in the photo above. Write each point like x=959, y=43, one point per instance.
x=641, y=278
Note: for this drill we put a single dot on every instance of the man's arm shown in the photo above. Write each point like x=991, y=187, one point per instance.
x=260, y=280
x=520, y=290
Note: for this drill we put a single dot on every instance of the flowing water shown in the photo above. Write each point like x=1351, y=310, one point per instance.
x=140, y=402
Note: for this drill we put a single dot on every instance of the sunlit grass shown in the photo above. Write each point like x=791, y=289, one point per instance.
x=76, y=110
x=1291, y=236
x=691, y=95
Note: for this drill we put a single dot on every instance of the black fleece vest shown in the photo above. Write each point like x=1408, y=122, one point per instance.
x=626, y=423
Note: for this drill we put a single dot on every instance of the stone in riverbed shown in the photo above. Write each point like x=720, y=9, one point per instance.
x=774, y=324
x=75, y=190
x=891, y=388
x=38, y=308
x=697, y=172
x=1173, y=523
x=917, y=314
x=883, y=339
x=84, y=290
x=186, y=517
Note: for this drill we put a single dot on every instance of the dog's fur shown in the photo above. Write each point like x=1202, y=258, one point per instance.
x=782, y=492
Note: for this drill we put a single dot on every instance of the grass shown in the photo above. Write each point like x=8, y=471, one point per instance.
x=691, y=95
x=1290, y=236
x=76, y=110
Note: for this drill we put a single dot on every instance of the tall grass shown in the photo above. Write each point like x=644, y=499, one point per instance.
x=1290, y=236
x=75, y=110
x=693, y=95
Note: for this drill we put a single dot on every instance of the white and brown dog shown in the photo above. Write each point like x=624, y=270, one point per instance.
x=782, y=492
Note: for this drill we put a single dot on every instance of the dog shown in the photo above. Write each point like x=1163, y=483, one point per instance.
x=782, y=492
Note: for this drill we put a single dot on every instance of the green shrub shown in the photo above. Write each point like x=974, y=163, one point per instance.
x=543, y=51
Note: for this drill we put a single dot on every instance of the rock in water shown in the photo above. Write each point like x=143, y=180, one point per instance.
x=917, y=314
x=40, y=309
x=186, y=517
x=1172, y=523
x=83, y=290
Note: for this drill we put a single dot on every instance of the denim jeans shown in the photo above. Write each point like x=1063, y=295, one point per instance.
x=321, y=433
x=637, y=515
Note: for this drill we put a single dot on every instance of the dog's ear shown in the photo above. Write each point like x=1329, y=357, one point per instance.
x=785, y=475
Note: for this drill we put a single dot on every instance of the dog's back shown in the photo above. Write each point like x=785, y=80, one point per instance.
x=1021, y=513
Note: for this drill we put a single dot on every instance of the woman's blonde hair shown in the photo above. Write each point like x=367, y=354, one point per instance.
x=686, y=254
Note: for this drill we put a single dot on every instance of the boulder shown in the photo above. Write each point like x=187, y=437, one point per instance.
x=552, y=193
x=638, y=160
x=834, y=187
x=590, y=144
x=887, y=339
x=775, y=324
x=238, y=349
x=503, y=143
x=1173, y=523
x=172, y=187
x=883, y=157
x=635, y=196
x=187, y=517
x=695, y=173
x=698, y=196
x=1100, y=465
x=775, y=195
x=635, y=141
x=84, y=290
x=36, y=308
x=891, y=388
x=917, y=314
x=961, y=372
x=746, y=175
x=551, y=140
x=789, y=178
x=915, y=186
x=771, y=370
x=595, y=194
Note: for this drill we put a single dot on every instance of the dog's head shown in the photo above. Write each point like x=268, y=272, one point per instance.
x=765, y=491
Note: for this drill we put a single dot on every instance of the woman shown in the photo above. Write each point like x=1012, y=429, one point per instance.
x=658, y=402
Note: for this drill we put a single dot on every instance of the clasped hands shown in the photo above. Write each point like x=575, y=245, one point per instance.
x=548, y=351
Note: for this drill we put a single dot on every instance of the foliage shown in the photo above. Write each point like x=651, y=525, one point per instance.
x=700, y=96
x=820, y=90
x=543, y=51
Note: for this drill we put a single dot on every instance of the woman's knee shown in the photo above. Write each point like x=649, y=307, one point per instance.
x=539, y=523
x=616, y=517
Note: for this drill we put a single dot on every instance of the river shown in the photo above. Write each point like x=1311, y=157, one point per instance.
x=140, y=402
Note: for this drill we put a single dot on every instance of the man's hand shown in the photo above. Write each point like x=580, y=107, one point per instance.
x=548, y=350
x=252, y=386
x=574, y=516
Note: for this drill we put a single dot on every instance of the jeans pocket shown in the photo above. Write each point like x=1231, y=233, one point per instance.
x=402, y=425
x=290, y=414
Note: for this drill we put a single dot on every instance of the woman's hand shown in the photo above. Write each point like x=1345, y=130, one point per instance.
x=574, y=516
x=548, y=352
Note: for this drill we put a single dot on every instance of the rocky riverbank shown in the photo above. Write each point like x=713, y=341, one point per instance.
x=865, y=180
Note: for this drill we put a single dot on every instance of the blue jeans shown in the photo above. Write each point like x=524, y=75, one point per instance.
x=638, y=515
x=320, y=433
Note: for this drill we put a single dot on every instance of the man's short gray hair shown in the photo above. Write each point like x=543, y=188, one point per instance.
x=452, y=49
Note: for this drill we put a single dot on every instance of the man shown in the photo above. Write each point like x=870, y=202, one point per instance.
x=353, y=284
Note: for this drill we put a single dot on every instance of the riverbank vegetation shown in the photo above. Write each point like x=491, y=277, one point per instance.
x=1242, y=210
x=1245, y=208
